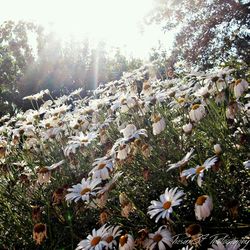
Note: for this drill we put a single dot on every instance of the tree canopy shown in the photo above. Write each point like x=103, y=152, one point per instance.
x=32, y=60
x=208, y=32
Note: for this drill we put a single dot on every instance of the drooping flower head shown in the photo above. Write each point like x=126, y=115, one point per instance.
x=203, y=207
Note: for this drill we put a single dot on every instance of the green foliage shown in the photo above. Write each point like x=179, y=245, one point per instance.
x=207, y=32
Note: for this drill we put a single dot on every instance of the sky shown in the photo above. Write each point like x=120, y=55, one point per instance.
x=117, y=22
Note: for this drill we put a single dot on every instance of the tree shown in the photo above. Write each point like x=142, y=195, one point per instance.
x=208, y=32
x=32, y=60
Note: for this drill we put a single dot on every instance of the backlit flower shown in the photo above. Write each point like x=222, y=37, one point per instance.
x=164, y=207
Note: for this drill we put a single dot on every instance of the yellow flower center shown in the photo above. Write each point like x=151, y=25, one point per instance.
x=95, y=241
x=181, y=100
x=167, y=205
x=157, y=238
x=43, y=170
x=101, y=165
x=238, y=82
x=156, y=119
x=146, y=86
x=110, y=239
x=124, y=101
x=195, y=106
x=201, y=200
x=85, y=190
x=123, y=240
x=199, y=169
x=85, y=140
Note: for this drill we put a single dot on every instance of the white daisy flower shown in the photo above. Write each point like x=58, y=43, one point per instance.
x=240, y=87
x=129, y=130
x=159, y=239
x=123, y=151
x=126, y=242
x=187, y=248
x=197, y=112
x=203, y=207
x=82, y=139
x=158, y=125
x=232, y=245
x=112, y=234
x=198, y=171
x=202, y=91
x=83, y=190
x=94, y=241
x=217, y=149
x=183, y=161
x=102, y=168
x=246, y=164
x=187, y=128
x=164, y=207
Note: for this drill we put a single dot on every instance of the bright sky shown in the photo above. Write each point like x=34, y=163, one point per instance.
x=117, y=22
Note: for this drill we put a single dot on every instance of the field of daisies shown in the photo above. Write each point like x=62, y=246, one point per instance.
x=141, y=163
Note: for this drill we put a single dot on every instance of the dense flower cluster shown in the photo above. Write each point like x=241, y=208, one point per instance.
x=128, y=155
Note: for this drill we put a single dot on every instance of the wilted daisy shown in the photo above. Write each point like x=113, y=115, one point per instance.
x=158, y=124
x=198, y=171
x=197, y=112
x=83, y=190
x=126, y=242
x=39, y=233
x=203, y=207
x=160, y=239
x=232, y=110
x=111, y=238
x=231, y=245
x=194, y=232
x=94, y=241
x=164, y=207
x=44, y=173
x=3, y=148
